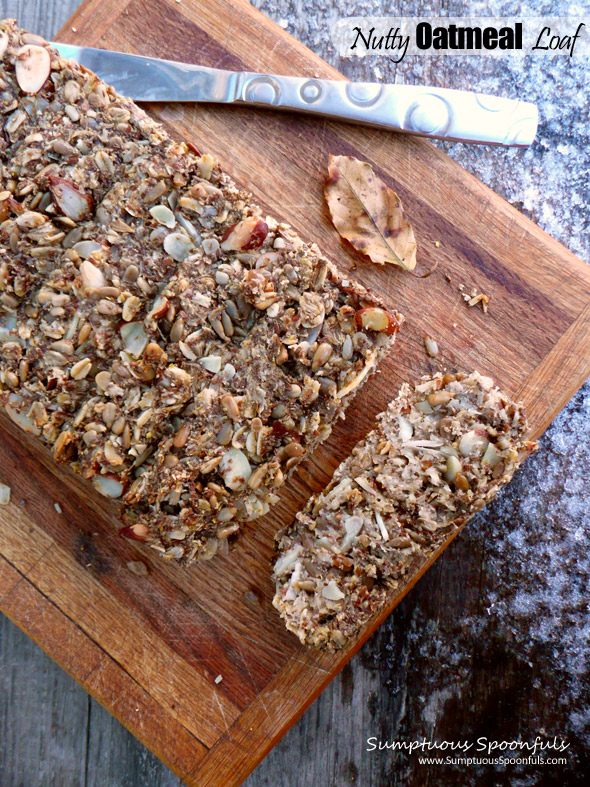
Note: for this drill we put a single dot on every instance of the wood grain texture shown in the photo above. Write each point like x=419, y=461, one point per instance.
x=183, y=622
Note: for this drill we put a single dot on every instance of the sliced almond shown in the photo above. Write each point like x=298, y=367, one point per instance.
x=159, y=307
x=72, y=201
x=32, y=67
x=332, y=592
x=3, y=44
x=212, y=363
x=473, y=443
x=134, y=338
x=178, y=245
x=85, y=248
x=92, y=277
x=163, y=215
x=491, y=456
x=406, y=430
x=108, y=486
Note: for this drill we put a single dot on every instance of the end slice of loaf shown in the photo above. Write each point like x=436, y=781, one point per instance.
x=440, y=452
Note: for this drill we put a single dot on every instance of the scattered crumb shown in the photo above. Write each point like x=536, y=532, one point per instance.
x=284, y=23
x=138, y=568
x=4, y=495
x=480, y=298
x=447, y=277
x=218, y=679
x=437, y=244
x=474, y=297
x=58, y=508
x=431, y=346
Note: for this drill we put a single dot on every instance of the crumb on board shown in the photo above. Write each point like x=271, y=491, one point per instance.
x=138, y=568
x=430, y=346
x=58, y=508
x=437, y=244
x=4, y=495
x=218, y=679
x=473, y=297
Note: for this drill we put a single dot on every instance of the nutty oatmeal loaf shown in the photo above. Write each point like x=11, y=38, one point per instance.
x=441, y=451
x=176, y=347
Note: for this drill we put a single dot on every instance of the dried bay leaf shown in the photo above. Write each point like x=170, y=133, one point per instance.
x=368, y=214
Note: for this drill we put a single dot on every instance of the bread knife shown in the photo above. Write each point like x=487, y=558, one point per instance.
x=458, y=115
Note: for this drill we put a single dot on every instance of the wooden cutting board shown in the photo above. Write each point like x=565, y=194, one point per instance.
x=151, y=647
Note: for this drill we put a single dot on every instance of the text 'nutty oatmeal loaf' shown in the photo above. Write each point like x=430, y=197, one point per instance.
x=175, y=347
x=441, y=451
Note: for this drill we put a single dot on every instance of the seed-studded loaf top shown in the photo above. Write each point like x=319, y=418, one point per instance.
x=441, y=451
x=178, y=348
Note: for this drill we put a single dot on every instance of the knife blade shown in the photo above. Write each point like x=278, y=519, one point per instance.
x=442, y=113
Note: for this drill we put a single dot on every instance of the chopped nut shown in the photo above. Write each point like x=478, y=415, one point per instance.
x=439, y=397
x=246, y=234
x=235, y=468
x=461, y=482
x=375, y=319
x=108, y=486
x=138, y=532
x=227, y=530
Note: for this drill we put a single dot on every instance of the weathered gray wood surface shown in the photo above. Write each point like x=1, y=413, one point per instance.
x=493, y=639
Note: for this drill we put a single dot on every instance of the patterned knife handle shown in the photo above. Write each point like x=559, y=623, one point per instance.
x=427, y=111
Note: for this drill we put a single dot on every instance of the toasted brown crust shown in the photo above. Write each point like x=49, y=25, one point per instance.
x=440, y=452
